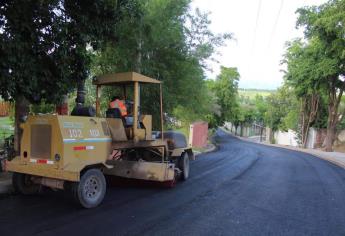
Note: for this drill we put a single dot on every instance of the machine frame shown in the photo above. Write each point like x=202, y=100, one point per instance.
x=76, y=152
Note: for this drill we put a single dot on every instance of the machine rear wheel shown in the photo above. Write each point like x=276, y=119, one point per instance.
x=90, y=191
x=183, y=165
x=23, y=184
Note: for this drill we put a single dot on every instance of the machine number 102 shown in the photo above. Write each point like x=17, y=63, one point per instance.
x=94, y=132
x=75, y=133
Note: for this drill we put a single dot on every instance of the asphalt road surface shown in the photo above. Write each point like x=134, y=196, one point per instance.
x=241, y=189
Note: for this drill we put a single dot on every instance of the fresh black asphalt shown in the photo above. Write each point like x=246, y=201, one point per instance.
x=241, y=189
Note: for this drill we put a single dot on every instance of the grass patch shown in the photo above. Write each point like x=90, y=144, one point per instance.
x=251, y=93
x=6, y=128
x=6, y=121
x=197, y=149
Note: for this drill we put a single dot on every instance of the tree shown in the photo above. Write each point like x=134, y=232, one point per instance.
x=303, y=74
x=325, y=24
x=247, y=116
x=225, y=88
x=162, y=44
x=261, y=108
x=44, y=46
x=279, y=104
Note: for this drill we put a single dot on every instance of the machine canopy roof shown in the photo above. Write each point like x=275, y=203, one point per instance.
x=123, y=78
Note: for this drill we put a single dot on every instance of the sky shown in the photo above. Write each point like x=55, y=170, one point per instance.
x=261, y=29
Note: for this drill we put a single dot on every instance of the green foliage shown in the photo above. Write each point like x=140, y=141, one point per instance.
x=326, y=22
x=42, y=107
x=164, y=40
x=250, y=94
x=250, y=109
x=316, y=66
x=281, y=109
x=48, y=47
x=322, y=114
x=225, y=89
x=239, y=109
x=6, y=129
x=44, y=44
x=308, y=67
x=261, y=108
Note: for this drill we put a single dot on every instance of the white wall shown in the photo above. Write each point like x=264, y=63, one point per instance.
x=286, y=138
x=290, y=138
x=311, y=138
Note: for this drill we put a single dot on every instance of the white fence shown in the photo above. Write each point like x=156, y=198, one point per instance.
x=280, y=137
x=290, y=138
x=286, y=138
x=315, y=136
x=245, y=131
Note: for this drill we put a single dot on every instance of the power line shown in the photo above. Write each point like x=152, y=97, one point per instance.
x=251, y=56
x=275, y=23
x=256, y=26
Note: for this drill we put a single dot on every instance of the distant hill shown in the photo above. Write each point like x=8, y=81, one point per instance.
x=251, y=93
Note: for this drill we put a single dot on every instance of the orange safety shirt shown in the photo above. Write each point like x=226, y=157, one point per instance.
x=119, y=104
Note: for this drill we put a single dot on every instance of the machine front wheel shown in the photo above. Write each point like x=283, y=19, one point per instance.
x=22, y=184
x=183, y=165
x=90, y=191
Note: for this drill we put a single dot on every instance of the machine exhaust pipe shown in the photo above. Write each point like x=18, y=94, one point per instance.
x=80, y=100
x=80, y=109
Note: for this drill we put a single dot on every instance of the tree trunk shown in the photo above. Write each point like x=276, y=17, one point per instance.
x=303, y=120
x=270, y=135
x=334, y=116
x=330, y=136
x=309, y=108
x=21, y=110
x=331, y=127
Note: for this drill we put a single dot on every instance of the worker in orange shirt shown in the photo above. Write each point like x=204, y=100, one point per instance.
x=117, y=103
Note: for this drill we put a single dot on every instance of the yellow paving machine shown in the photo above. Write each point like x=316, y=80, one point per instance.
x=76, y=152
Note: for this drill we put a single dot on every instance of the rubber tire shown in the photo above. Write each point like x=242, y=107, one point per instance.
x=183, y=165
x=22, y=184
x=79, y=195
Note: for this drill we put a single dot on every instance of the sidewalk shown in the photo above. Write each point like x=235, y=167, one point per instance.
x=337, y=158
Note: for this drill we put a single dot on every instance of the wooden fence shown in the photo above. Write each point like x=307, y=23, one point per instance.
x=5, y=108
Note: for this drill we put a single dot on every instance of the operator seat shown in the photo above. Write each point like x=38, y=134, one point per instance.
x=113, y=113
x=116, y=113
x=127, y=121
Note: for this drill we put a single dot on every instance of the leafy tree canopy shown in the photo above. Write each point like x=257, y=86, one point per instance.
x=43, y=44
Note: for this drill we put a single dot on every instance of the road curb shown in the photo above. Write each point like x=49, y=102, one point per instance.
x=340, y=164
x=335, y=162
x=212, y=149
